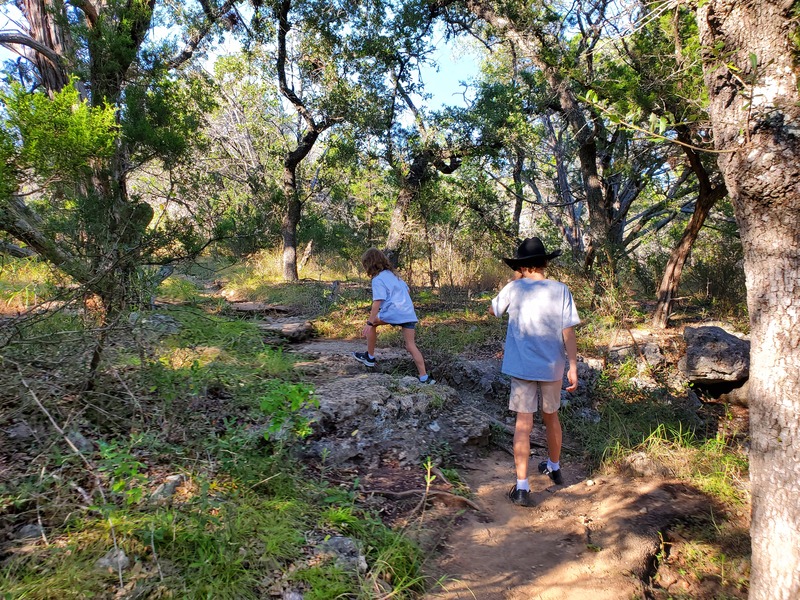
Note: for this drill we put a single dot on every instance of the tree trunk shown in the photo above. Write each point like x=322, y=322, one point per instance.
x=395, y=239
x=306, y=141
x=15, y=251
x=750, y=72
x=706, y=198
x=291, y=220
x=409, y=190
x=45, y=27
x=519, y=164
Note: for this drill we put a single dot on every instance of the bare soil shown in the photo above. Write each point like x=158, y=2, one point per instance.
x=586, y=539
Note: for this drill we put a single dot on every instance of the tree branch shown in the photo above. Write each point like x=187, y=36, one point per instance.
x=25, y=225
x=212, y=16
x=15, y=251
x=10, y=38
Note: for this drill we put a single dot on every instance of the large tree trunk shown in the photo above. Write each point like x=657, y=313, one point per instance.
x=306, y=141
x=755, y=112
x=47, y=28
x=15, y=251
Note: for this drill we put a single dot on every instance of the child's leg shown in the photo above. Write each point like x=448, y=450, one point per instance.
x=551, y=402
x=553, y=429
x=522, y=444
x=411, y=346
x=371, y=333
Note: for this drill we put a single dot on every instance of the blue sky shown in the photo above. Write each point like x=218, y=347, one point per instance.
x=456, y=61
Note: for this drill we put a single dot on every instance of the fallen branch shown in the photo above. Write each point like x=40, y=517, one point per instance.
x=429, y=493
x=438, y=472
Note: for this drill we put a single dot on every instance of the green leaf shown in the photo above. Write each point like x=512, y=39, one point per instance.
x=753, y=62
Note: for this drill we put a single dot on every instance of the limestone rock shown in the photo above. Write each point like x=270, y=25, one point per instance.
x=739, y=395
x=292, y=330
x=640, y=464
x=80, y=441
x=714, y=356
x=114, y=560
x=166, y=490
x=346, y=553
x=28, y=532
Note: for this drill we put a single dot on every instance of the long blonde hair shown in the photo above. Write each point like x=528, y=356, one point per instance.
x=375, y=261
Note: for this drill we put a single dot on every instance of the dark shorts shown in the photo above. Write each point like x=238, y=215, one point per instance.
x=411, y=325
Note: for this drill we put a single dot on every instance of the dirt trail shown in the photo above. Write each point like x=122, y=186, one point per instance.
x=586, y=539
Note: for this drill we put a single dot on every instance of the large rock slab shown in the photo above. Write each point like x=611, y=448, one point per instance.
x=714, y=356
x=369, y=418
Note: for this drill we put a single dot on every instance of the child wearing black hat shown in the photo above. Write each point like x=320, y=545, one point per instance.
x=541, y=325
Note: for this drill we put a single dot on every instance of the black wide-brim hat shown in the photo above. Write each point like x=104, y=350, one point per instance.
x=530, y=252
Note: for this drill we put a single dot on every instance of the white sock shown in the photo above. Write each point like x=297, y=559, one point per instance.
x=370, y=356
x=423, y=378
x=553, y=466
x=522, y=484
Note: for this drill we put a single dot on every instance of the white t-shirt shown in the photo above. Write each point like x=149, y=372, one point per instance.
x=538, y=313
x=397, y=307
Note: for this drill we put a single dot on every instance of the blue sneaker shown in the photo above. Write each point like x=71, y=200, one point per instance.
x=364, y=359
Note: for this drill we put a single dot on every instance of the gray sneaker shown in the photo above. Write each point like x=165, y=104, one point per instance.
x=429, y=381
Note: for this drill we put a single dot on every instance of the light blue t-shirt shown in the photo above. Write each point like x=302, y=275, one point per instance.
x=397, y=307
x=538, y=313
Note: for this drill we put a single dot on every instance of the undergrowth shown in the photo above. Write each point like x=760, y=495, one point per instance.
x=196, y=396
x=24, y=282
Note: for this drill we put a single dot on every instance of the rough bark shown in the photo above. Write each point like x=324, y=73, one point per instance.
x=755, y=112
x=293, y=204
x=25, y=225
x=55, y=44
x=519, y=164
x=15, y=251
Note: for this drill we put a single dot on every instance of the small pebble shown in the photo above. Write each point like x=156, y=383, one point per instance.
x=590, y=482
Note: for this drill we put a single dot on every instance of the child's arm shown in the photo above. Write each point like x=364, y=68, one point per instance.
x=373, y=313
x=572, y=355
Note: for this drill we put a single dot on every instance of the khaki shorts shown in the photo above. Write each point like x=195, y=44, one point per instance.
x=525, y=395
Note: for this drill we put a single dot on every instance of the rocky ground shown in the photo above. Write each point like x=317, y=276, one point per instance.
x=595, y=536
